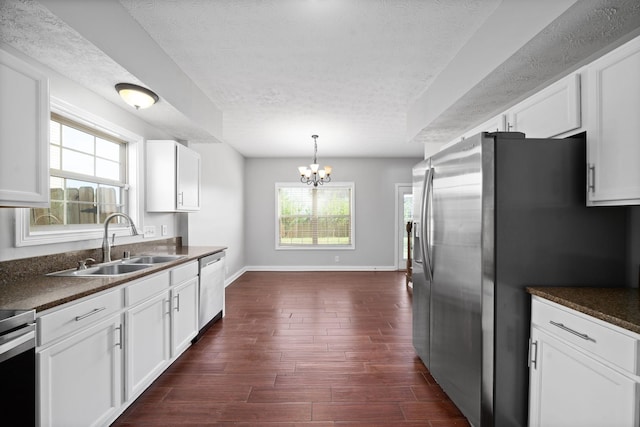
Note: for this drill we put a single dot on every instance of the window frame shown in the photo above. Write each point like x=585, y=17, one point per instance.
x=24, y=236
x=351, y=246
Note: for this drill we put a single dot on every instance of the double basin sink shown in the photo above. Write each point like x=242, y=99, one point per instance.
x=120, y=267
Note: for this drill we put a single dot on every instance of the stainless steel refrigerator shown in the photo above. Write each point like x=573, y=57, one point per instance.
x=493, y=214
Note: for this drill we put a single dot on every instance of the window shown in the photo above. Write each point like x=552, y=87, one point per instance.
x=92, y=166
x=87, y=177
x=314, y=217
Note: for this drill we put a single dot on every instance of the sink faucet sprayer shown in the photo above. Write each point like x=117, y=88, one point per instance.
x=106, y=247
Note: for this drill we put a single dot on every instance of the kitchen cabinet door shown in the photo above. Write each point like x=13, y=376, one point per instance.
x=569, y=388
x=613, y=134
x=550, y=112
x=147, y=343
x=187, y=179
x=80, y=377
x=173, y=177
x=24, y=134
x=184, y=320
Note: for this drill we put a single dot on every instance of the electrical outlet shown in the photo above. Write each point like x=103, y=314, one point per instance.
x=163, y=229
x=336, y=258
x=149, y=230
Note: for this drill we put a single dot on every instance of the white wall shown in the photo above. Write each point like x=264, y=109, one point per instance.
x=219, y=221
x=375, y=227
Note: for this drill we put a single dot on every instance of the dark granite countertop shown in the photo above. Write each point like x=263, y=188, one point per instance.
x=41, y=292
x=619, y=306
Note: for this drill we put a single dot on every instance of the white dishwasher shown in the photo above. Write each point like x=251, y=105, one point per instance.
x=211, y=290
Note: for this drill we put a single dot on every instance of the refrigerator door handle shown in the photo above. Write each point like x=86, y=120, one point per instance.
x=428, y=271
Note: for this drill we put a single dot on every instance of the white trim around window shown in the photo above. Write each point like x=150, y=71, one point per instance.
x=346, y=185
x=24, y=237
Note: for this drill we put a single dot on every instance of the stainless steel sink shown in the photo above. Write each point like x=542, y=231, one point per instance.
x=152, y=259
x=120, y=267
x=103, y=270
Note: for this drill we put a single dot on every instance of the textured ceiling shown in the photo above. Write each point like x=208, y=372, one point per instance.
x=281, y=70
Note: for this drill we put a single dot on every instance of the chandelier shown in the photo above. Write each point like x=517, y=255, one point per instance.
x=313, y=174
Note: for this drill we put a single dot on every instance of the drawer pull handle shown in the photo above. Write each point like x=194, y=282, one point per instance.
x=91, y=313
x=571, y=331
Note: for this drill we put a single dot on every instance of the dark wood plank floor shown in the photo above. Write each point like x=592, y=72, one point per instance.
x=302, y=349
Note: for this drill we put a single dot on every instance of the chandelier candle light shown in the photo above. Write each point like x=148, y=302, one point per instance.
x=313, y=174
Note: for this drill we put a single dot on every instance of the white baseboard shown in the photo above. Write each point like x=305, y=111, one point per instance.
x=319, y=268
x=229, y=280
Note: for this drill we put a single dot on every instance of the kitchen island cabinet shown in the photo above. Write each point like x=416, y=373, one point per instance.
x=583, y=371
x=24, y=134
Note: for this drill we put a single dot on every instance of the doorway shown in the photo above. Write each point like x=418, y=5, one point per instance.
x=404, y=214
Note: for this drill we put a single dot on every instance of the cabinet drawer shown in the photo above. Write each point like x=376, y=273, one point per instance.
x=145, y=288
x=77, y=315
x=587, y=333
x=184, y=272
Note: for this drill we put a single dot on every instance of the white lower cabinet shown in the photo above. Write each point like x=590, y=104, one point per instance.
x=184, y=316
x=572, y=380
x=147, y=343
x=97, y=355
x=80, y=377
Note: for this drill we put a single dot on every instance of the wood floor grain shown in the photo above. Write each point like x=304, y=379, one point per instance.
x=302, y=349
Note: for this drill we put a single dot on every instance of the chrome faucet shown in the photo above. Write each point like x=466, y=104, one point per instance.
x=106, y=246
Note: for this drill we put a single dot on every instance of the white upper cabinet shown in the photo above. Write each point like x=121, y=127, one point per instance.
x=24, y=134
x=173, y=177
x=613, y=129
x=552, y=111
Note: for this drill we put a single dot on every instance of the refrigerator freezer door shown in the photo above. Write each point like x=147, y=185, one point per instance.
x=421, y=287
x=456, y=297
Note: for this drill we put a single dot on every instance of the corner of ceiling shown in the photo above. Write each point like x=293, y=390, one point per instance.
x=133, y=49
x=511, y=26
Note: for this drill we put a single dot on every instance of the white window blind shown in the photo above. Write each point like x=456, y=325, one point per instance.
x=314, y=217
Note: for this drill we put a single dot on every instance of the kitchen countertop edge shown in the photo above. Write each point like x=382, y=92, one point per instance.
x=618, y=306
x=45, y=292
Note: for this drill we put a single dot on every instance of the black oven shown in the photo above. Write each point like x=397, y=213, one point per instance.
x=17, y=368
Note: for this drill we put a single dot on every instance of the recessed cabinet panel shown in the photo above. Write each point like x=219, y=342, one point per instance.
x=24, y=134
x=569, y=388
x=582, y=370
x=188, y=179
x=173, y=177
x=613, y=134
x=80, y=377
x=147, y=350
x=184, y=320
x=552, y=111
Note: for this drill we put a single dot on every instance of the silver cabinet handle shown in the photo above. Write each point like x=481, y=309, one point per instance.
x=571, y=331
x=177, y=297
x=91, y=313
x=168, y=302
x=119, y=343
x=533, y=356
x=591, y=178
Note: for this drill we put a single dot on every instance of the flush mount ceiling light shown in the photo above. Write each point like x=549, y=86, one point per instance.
x=136, y=96
x=313, y=174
